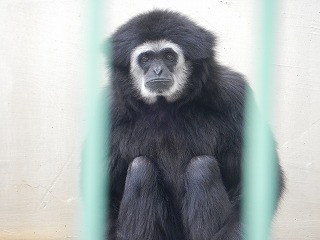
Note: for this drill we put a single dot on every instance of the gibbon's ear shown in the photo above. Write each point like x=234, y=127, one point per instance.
x=106, y=45
x=106, y=48
x=123, y=42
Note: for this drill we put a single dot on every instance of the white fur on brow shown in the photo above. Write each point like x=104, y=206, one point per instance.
x=180, y=74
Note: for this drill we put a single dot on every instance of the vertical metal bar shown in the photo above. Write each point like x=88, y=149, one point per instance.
x=260, y=175
x=94, y=166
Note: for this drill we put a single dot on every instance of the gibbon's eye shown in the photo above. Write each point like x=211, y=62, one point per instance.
x=145, y=58
x=169, y=56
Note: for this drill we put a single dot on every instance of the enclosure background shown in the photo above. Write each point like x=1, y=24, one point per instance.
x=42, y=53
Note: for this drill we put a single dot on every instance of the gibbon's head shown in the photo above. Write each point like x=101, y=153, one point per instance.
x=157, y=49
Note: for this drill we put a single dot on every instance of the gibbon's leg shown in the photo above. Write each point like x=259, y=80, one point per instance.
x=231, y=230
x=145, y=210
x=206, y=206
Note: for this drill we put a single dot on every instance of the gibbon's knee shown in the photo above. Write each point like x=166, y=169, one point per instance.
x=203, y=170
x=141, y=174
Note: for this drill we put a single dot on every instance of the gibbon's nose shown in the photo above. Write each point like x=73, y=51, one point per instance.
x=157, y=70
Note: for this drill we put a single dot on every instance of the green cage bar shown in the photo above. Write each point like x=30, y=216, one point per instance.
x=94, y=166
x=259, y=167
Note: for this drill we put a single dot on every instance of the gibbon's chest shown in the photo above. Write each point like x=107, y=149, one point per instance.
x=172, y=138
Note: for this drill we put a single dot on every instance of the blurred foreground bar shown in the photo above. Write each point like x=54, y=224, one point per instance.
x=260, y=175
x=94, y=166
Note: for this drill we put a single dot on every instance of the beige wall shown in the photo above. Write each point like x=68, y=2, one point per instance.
x=41, y=99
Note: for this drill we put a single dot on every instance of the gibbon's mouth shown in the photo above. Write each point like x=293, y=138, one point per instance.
x=159, y=80
x=159, y=85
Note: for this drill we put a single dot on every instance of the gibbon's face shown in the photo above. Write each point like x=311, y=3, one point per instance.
x=158, y=68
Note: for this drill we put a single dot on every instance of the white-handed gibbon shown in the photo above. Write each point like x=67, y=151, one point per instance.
x=177, y=119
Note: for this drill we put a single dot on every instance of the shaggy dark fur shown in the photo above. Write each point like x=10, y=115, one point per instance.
x=175, y=168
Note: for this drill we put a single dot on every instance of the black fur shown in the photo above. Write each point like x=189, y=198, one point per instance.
x=175, y=168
